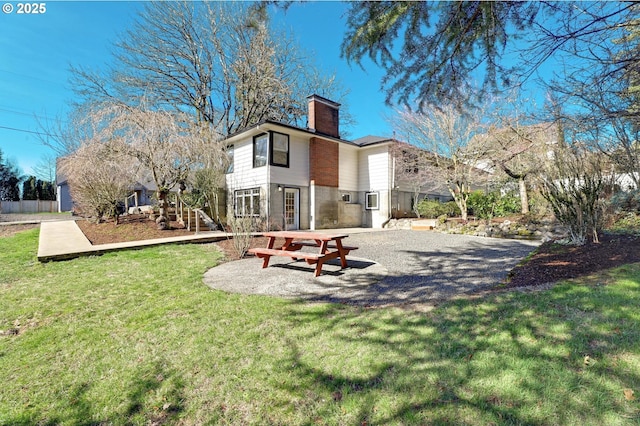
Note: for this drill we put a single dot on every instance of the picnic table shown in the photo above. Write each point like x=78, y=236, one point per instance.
x=330, y=247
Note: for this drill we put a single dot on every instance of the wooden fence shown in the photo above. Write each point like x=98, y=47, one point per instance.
x=28, y=206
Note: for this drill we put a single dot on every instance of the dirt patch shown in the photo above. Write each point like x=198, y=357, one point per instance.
x=554, y=262
x=9, y=230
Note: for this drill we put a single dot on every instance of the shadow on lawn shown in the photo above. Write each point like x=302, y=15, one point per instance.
x=559, y=357
x=155, y=397
x=429, y=276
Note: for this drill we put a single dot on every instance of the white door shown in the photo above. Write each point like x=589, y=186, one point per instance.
x=291, y=208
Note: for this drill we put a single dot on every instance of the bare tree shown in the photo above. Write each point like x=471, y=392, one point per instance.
x=446, y=133
x=517, y=150
x=166, y=145
x=99, y=178
x=414, y=168
x=609, y=107
x=45, y=169
x=222, y=62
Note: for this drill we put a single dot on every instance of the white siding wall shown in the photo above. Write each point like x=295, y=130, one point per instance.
x=375, y=176
x=374, y=169
x=348, y=171
x=244, y=175
x=297, y=174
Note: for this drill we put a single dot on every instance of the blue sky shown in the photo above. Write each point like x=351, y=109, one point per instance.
x=36, y=52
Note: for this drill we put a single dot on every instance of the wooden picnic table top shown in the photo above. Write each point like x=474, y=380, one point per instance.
x=305, y=235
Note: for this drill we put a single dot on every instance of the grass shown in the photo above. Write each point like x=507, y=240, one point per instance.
x=135, y=337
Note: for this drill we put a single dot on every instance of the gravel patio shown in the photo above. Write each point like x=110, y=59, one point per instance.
x=389, y=268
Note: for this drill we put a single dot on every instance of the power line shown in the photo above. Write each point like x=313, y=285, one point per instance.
x=26, y=114
x=32, y=77
x=27, y=131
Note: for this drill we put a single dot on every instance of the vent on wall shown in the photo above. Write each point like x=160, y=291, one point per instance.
x=346, y=198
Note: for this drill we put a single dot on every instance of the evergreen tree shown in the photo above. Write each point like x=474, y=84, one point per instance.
x=29, y=189
x=431, y=51
x=9, y=180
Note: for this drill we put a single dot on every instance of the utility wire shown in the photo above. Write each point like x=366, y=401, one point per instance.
x=27, y=131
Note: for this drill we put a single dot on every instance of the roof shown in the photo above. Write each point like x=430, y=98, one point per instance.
x=371, y=140
x=288, y=126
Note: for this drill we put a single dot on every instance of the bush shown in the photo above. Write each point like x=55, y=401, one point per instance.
x=241, y=230
x=431, y=209
x=626, y=201
x=627, y=224
x=489, y=205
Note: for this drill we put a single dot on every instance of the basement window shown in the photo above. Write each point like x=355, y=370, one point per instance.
x=371, y=201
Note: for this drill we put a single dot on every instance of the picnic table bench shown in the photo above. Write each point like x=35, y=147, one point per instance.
x=330, y=247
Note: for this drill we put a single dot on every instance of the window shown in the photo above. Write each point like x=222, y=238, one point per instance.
x=260, y=145
x=247, y=202
x=346, y=198
x=230, y=153
x=279, y=149
x=371, y=201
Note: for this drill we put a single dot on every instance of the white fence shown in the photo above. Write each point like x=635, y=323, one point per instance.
x=28, y=206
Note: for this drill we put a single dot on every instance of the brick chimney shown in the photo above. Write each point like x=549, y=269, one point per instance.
x=324, y=116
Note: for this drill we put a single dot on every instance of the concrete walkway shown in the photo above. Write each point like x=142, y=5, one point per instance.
x=64, y=240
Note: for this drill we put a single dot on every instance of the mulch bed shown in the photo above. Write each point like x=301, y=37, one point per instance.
x=129, y=228
x=554, y=262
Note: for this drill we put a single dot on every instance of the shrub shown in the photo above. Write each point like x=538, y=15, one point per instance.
x=488, y=205
x=241, y=230
x=626, y=201
x=627, y=224
x=432, y=209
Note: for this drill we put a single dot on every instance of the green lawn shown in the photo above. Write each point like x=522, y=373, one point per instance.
x=135, y=337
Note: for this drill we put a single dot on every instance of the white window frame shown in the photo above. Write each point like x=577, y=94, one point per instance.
x=246, y=197
x=368, y=204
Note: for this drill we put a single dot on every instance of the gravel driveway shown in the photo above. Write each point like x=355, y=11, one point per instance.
x=389, y=268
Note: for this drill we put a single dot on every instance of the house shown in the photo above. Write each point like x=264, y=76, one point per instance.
x=289, y=177
x=63, y=194
x=141, y=193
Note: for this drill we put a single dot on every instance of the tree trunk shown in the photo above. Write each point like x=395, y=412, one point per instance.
x=162, y=220
x=524, y=197
x=462, y=205
x=461, y=201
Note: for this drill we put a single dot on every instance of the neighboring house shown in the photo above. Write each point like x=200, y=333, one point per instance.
x=295, y=178
x=141, y=193
x=63, y=194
